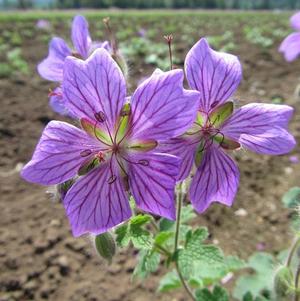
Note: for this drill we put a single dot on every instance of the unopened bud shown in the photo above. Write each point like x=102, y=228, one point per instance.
x=105, y=246
x=283, y=282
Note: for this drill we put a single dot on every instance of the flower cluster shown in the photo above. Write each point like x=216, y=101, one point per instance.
x=141, y=145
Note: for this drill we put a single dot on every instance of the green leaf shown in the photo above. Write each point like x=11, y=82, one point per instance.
x=169, y=282
x=140, y=220
x=166, y=224
x=122, y=236
x=262, y=265
x=162, y=237
x=291, y=199
x=218, y=294
x=141, y=239
x=248, y=297
x=234, y=263
x=197, y=237
x=187, y=214
x=148, y=263
x=196, y=252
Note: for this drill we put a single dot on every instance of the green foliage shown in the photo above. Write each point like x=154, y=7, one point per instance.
x=249, y=297
x=148, y=263
x=195, y=251
x=141, y=4
x=260, y=282
x=222, y=42
x=291, y=200
x=205, y=274
x=169, y=282
x=218, y=294
x=152, y=53
x=135, y=232
x=5, y=70
x=255, y=36
x=283, y=282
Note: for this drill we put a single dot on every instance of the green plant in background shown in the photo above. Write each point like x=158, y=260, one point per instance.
x=14, y=63
x=255, y=36
x=223, y=42
x=149, y=52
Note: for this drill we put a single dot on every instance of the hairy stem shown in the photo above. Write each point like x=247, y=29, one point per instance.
x=292, y=251
x=179, y=198
x=297, y=280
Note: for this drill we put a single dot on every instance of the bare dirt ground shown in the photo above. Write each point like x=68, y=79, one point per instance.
x=39, y=258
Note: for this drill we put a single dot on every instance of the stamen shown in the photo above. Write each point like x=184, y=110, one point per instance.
x=112, y=179
x=85, y=153
x=143, y=162
x=77, y=55
x=52, y=93
x=126, y=111
x=100, y=116
x=169, y=39
x=100, y=156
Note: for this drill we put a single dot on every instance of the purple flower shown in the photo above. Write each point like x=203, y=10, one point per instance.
x=43, y=24
x=261, y=128
x=290, y=46
x=52, y=67
x=115, y=151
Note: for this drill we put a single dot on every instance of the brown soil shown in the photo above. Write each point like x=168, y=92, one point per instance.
x=39, y=258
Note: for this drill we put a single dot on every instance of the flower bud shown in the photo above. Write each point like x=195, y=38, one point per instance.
x=283, y=282
x=105, y=246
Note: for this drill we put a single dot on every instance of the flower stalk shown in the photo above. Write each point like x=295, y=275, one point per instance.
x=180, y=197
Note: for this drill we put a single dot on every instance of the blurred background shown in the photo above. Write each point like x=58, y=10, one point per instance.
x=140, y=4
x=39, y=258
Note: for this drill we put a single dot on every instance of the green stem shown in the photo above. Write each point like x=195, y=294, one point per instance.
x=178, y=216
x=163, y=250
x=297, y=278
x=292, y=251
x=154, y=225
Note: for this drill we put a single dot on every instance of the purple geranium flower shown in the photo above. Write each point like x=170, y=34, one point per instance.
x=116, y=149
x=290, y=46
x=43, y=24
x=51, y=68
x=261, y=128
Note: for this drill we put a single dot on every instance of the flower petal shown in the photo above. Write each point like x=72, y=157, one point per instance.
x=215, y=74
x=57, y=103
x=93, y=205
x=183, y=148
x=295, y=21
x=81, y=36
x=261, y=128
x=57, y=157
x=290, y=46
x=161, y=108
x=216, y=180
x=152, y=183
x=51, y=68
x=93, y=86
